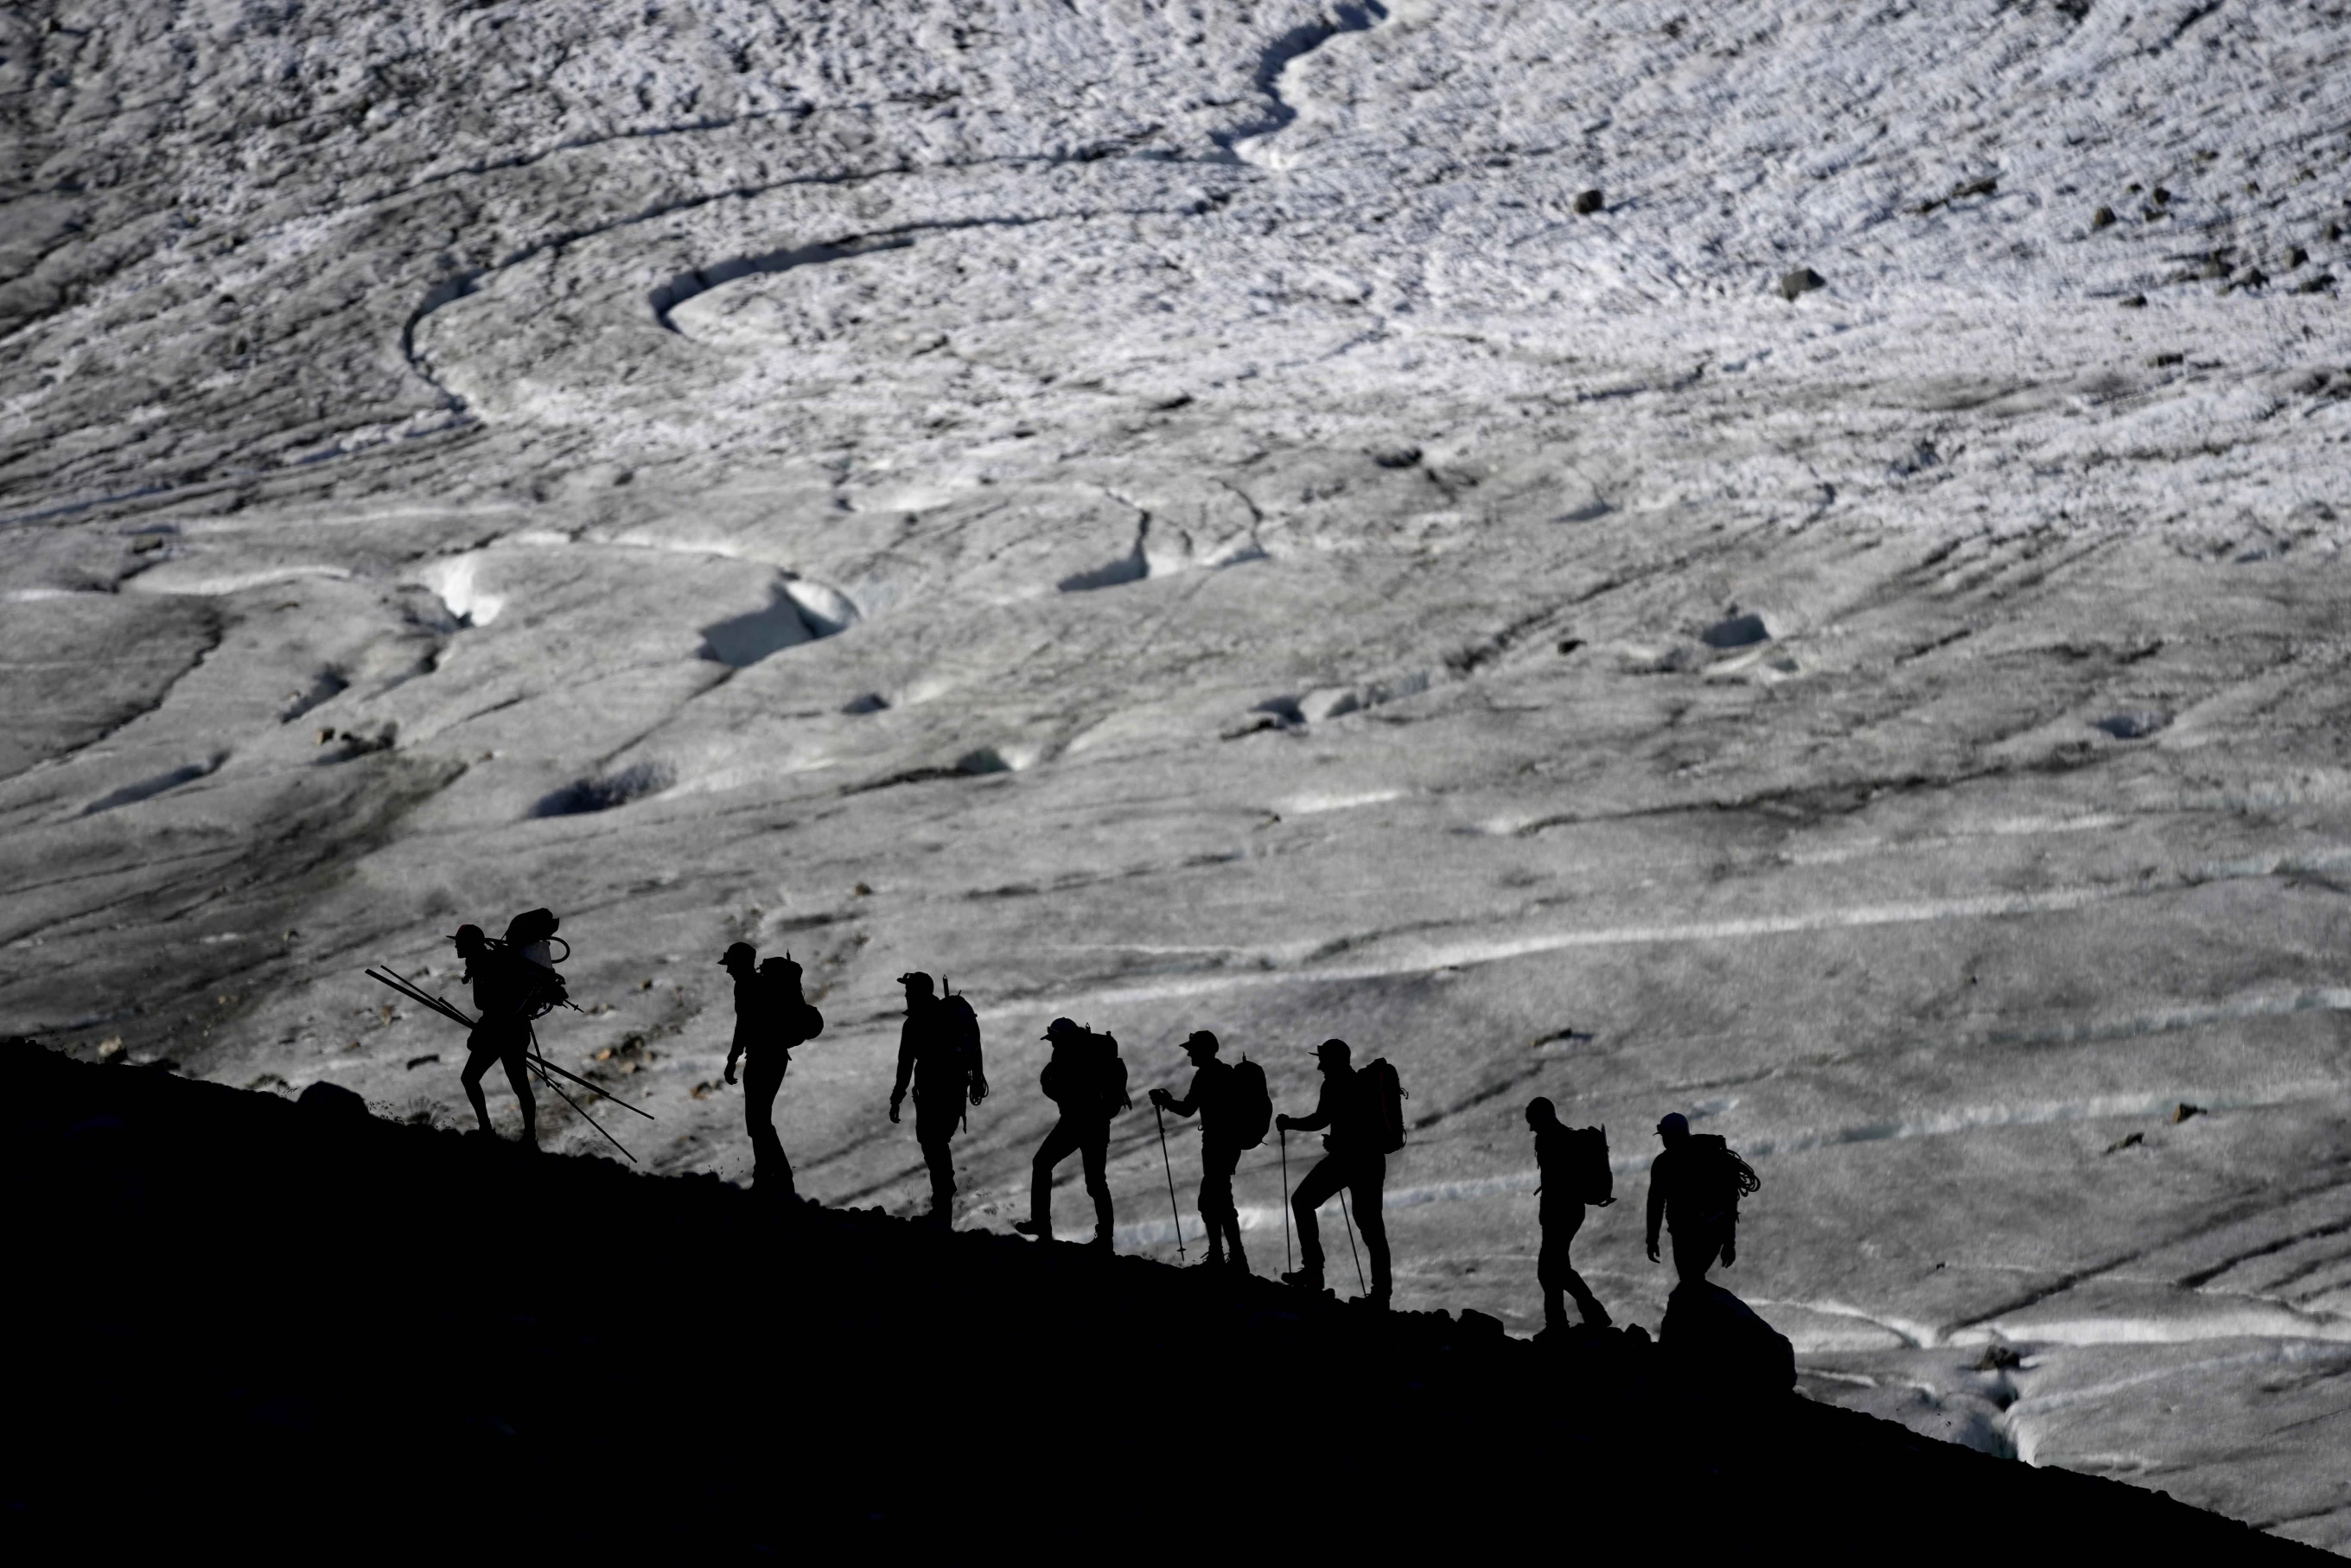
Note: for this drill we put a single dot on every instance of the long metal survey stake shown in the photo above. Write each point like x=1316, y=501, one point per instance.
x=540, y=1061
x=1170, y=1168
x=1287, y=1266
x=414, y=994
x=1350, y=1242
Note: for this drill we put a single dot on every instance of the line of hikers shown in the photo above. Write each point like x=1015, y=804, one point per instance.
x=1695, y=1183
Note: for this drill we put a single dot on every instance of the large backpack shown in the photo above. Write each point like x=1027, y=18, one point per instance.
x=1587, y=1160
x=959, y=1032
x=529, y=945
x=1109, y=1073
x=1248, y=1107
x=1718, y=1178
x=1383, y=1095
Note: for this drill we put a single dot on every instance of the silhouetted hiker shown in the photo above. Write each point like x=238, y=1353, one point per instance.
x=1574, y=1164
x=938, y=1050
x=1088, y=1081
x=1695, y=1184
x=1354, y=1163
x=1232, y=1106
x=770, y=1018
x=506, y=996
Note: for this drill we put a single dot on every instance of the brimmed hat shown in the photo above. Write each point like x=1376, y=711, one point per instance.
x=464, y=934
x=1202, y=1039
x=916, y=977
x=1061, y=1027
x=1330, y=1047
x=744, y=949
x=1673, y=1122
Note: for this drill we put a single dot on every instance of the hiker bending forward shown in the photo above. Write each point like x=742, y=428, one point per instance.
x=1086, y=1080
x=1703, y=1214
x=1353, y=1163
x=1560, y=1215
x=1220, y=1148
x=504, y=999
x=769, y=1014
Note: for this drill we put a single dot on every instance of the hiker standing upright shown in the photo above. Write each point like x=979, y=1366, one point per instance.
x=1695, y=1184
x=1566, y=1156
x=1354, y=1163
x=1086, y=1079
x=938, y=1053
x=1223, y=1101
x=506, y=996
x=770, y=1018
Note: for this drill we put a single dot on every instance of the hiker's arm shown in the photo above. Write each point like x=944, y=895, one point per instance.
x=905, y=1064
x=1319, y=1120
x=1183, y=1107
x=1657, y=1210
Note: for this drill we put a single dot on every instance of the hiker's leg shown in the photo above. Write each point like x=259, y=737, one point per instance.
x=478, y=1057
x=1694, y=1249
x=517, y=1063
x=1094, y=1153
x=934, y=1138
x=1587, y=1305
x=1059, y=1146
x=1216, y=1211
x=761, y=1080
x=1369, y=1192
x=1550, y=1263
x=1328, y=1177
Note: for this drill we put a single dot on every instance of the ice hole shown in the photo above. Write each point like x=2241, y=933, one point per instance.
x=1129, y=568
x=1737, y=631
x=2137, y=724
x=147, y=789
x=800, y=613
x=631, y=783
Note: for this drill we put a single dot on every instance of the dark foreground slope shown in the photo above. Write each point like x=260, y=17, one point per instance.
x=238, y=1324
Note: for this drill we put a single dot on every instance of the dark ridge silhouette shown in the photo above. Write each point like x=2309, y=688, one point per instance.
x=242, y=1324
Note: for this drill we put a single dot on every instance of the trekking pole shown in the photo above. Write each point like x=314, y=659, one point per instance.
x=410, y=989
x=1287, y=1266
x=1351, y=1246
x=1170, y=1168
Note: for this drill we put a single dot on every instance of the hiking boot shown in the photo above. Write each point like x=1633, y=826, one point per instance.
x=1101, y=1243
x=1305, y=1279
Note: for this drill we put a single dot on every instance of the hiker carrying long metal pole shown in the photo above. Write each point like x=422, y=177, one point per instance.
x=1286, y=1265
x=1170, y=1168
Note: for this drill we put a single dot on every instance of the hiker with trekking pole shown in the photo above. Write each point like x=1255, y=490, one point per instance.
x=770, y=1018
x=1234, y=1108
x=1086, y=1079
x=938, y=1056
x=1365, y=1115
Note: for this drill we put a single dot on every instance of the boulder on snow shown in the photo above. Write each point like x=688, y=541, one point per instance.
x=1803, y=280
x=1716, y=1341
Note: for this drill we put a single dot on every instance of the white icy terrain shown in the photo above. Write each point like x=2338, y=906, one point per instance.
x=1171, y=514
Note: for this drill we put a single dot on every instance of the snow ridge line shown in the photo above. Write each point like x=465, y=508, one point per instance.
x=1466, y=953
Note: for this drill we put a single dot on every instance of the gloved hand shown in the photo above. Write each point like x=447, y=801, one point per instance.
x=1653, y=1249
x=978, y=1090
x=1730, y=1253
x=1161, y=1098
x=894, y=1110
x=730, y=1070
x=1284, y=1123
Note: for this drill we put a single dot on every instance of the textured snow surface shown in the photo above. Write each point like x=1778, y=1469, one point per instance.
x=1179, y=515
